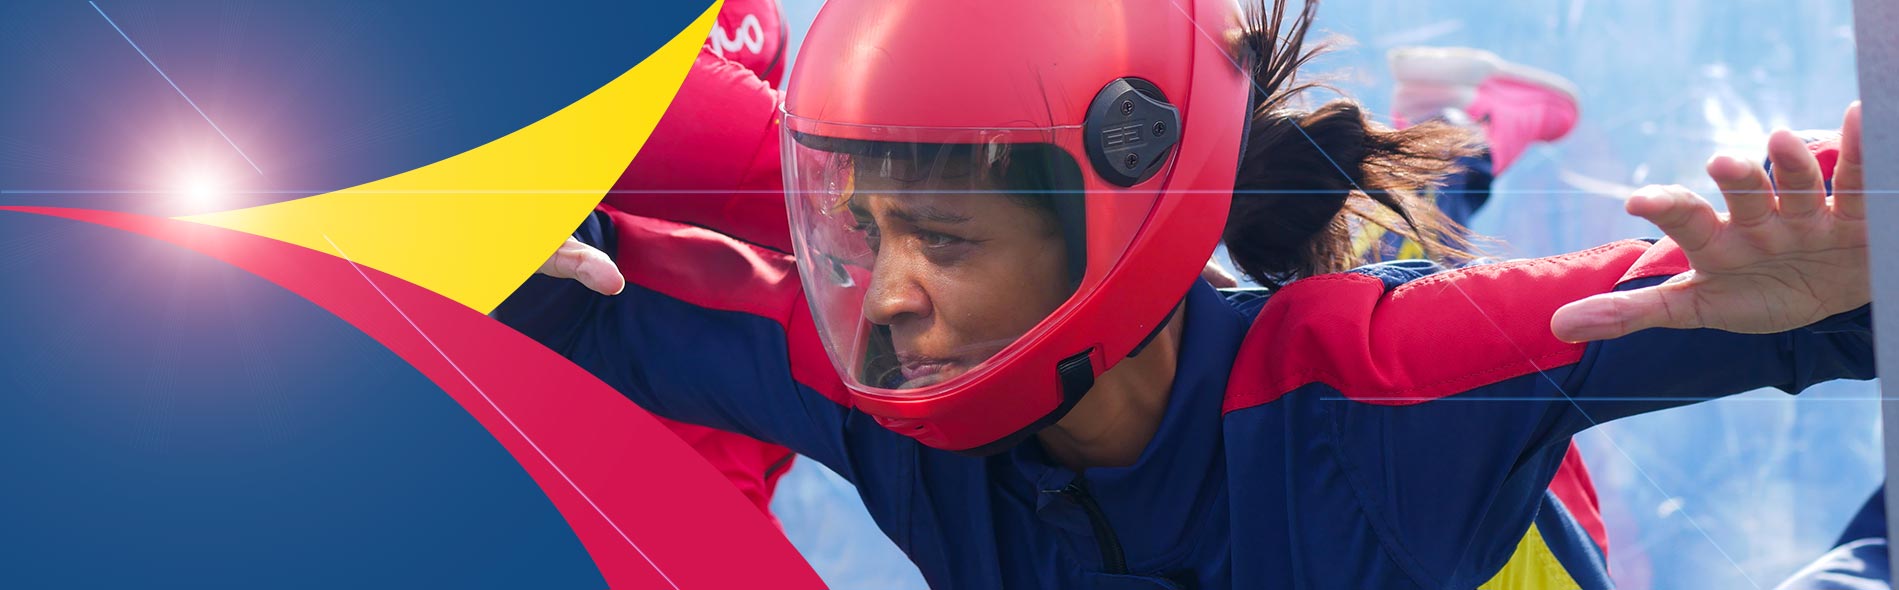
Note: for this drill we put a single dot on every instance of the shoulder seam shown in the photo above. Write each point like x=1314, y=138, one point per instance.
x=1448, y=275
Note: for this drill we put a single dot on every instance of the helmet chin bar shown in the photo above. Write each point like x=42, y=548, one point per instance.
x=1076, y=375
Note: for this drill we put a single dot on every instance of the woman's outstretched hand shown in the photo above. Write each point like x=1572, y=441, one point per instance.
x=579, y=261
x=1785, y=255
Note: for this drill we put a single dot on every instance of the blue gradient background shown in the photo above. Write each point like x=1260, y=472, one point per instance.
x=171, y=419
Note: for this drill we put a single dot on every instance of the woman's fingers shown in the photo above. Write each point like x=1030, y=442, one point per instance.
x=1614, y=315
x=1849, y=181
x=593, y=268
x=1679, y=212
x=1745, y=186
x=1797, y=176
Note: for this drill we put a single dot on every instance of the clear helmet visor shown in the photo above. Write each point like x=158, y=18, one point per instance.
x=927, y=254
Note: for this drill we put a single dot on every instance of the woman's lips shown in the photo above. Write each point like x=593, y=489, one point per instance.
x=923, y=372
x=917, y=369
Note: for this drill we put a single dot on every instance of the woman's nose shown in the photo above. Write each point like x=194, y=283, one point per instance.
x=894, y=293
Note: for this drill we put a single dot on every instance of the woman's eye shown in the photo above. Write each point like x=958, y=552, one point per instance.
x=937, y=240
x=872, y=235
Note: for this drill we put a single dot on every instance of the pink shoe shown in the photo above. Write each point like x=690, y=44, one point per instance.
x=1515, y=105
x=1436, y=80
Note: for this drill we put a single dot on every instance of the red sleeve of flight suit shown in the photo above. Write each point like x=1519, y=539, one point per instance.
x=713, y=159
x=1577, y=492
x=753, y=33
x=1828, y=152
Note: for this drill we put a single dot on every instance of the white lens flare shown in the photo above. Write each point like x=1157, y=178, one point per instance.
x=200, y=187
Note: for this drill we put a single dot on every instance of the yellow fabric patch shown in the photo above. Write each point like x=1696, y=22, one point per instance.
x=1532, y=567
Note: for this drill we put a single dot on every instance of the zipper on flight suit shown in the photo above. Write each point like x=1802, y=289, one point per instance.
x=1112, y=557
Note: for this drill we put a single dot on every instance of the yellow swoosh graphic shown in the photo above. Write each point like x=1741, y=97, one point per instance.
x=473, y=226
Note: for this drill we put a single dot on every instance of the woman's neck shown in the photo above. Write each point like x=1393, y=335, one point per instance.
x=1119, y=416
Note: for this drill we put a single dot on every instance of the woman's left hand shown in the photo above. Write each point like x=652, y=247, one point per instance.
x=1785, y=255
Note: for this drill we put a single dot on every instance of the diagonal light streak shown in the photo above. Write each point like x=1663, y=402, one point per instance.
x=174, y=86
x=504, y=415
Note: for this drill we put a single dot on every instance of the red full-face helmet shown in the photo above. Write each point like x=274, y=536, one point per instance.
x=918, y=135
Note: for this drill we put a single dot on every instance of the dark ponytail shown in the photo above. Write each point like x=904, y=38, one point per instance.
x=1309, y=179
